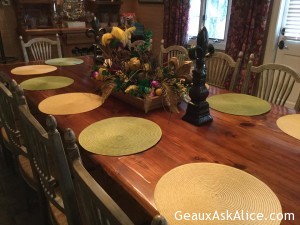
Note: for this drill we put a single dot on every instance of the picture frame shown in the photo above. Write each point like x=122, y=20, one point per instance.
x=151, y=1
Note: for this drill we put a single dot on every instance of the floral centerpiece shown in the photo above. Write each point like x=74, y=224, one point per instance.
x=136, y=72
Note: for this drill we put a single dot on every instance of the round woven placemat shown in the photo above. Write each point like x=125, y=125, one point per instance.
x=213, y=188
x=33, y=69
x=290, y=124
x=64, y=61
x=46, y=83
x=120, y=136
x=239, y=104
x=70, y=103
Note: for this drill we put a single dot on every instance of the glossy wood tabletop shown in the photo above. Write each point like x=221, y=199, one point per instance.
x=253, y=144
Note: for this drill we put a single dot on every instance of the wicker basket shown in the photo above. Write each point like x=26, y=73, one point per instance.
x=139, y=103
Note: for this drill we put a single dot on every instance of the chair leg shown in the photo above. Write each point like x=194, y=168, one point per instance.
x=36, y=202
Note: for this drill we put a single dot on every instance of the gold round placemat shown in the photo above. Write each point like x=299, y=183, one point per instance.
x=70, y=103
x=290, y=124
x=46, y=83
x=33, y=69
x=200, y=188
x=64, y=61
x=239, y=104
x=120, y=136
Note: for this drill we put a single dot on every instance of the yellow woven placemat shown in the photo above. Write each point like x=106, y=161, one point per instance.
x=70, y=103
x=290, y=124
x=64, y=61
x=46, y=83
x=120, y=136
x=33, y=69
x=200, y=188
x=239, y=104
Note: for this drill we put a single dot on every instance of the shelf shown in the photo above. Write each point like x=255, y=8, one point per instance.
x=35, y=2
x=106, y=2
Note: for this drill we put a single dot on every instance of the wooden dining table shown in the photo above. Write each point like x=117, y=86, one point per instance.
x=253, y=144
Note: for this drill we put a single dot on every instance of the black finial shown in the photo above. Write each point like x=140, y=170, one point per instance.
x=197, y=111
x=202, y=41
x=51, y=124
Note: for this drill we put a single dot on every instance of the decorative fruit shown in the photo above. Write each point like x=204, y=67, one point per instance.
x=158, y=91
x=155, y=84
x=147, y=90
x=94, y=74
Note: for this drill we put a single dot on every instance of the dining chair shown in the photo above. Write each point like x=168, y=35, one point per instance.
x=17, y=155
x=10, y=131
x=7, y=149
x=96, y=206
x=41, y=48
x=134, y=45
x=221, y=67
x=272, y=82
x=50, y=163
x=172, y=51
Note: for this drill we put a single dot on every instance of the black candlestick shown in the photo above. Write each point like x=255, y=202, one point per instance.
x=96, y=31
x=197, y=112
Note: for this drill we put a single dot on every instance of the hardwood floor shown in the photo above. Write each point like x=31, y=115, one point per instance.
x=18, y=203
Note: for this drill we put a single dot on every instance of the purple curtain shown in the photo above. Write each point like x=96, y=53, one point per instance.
x=248, y=30
x=176, y=14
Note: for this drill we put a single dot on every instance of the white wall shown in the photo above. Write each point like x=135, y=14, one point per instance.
x=274, y=30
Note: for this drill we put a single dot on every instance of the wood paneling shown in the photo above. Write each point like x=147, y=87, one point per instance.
x=8, y=27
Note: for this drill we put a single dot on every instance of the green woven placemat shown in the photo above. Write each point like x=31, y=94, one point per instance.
x=199, y=189
x=46, y=83
x=239, y=104
x=64, y=61
x=120, y=136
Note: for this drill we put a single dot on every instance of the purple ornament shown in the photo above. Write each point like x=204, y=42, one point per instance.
x=95, y=74
x=155, y=84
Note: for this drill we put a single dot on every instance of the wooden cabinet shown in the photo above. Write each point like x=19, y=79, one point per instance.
x=107, y=12
x=35, y=19
x=74, y=42
x=35, y=1
x=34, y=14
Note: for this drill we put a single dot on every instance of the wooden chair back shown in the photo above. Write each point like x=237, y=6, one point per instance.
x=172, y=51
x=11, y=95
x=219, y=66
x=9, y=115
x=41, y=48
x=134, y=45
x=272, y=82
x=51, y=165
x=96, y=206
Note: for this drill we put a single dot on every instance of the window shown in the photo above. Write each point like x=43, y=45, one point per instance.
x=292, y=22
x=214, y=15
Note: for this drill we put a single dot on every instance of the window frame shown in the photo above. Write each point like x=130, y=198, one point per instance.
x=218, y=44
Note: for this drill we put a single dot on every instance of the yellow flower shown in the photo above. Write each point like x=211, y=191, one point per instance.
x=106, y=38
x=122, y=35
